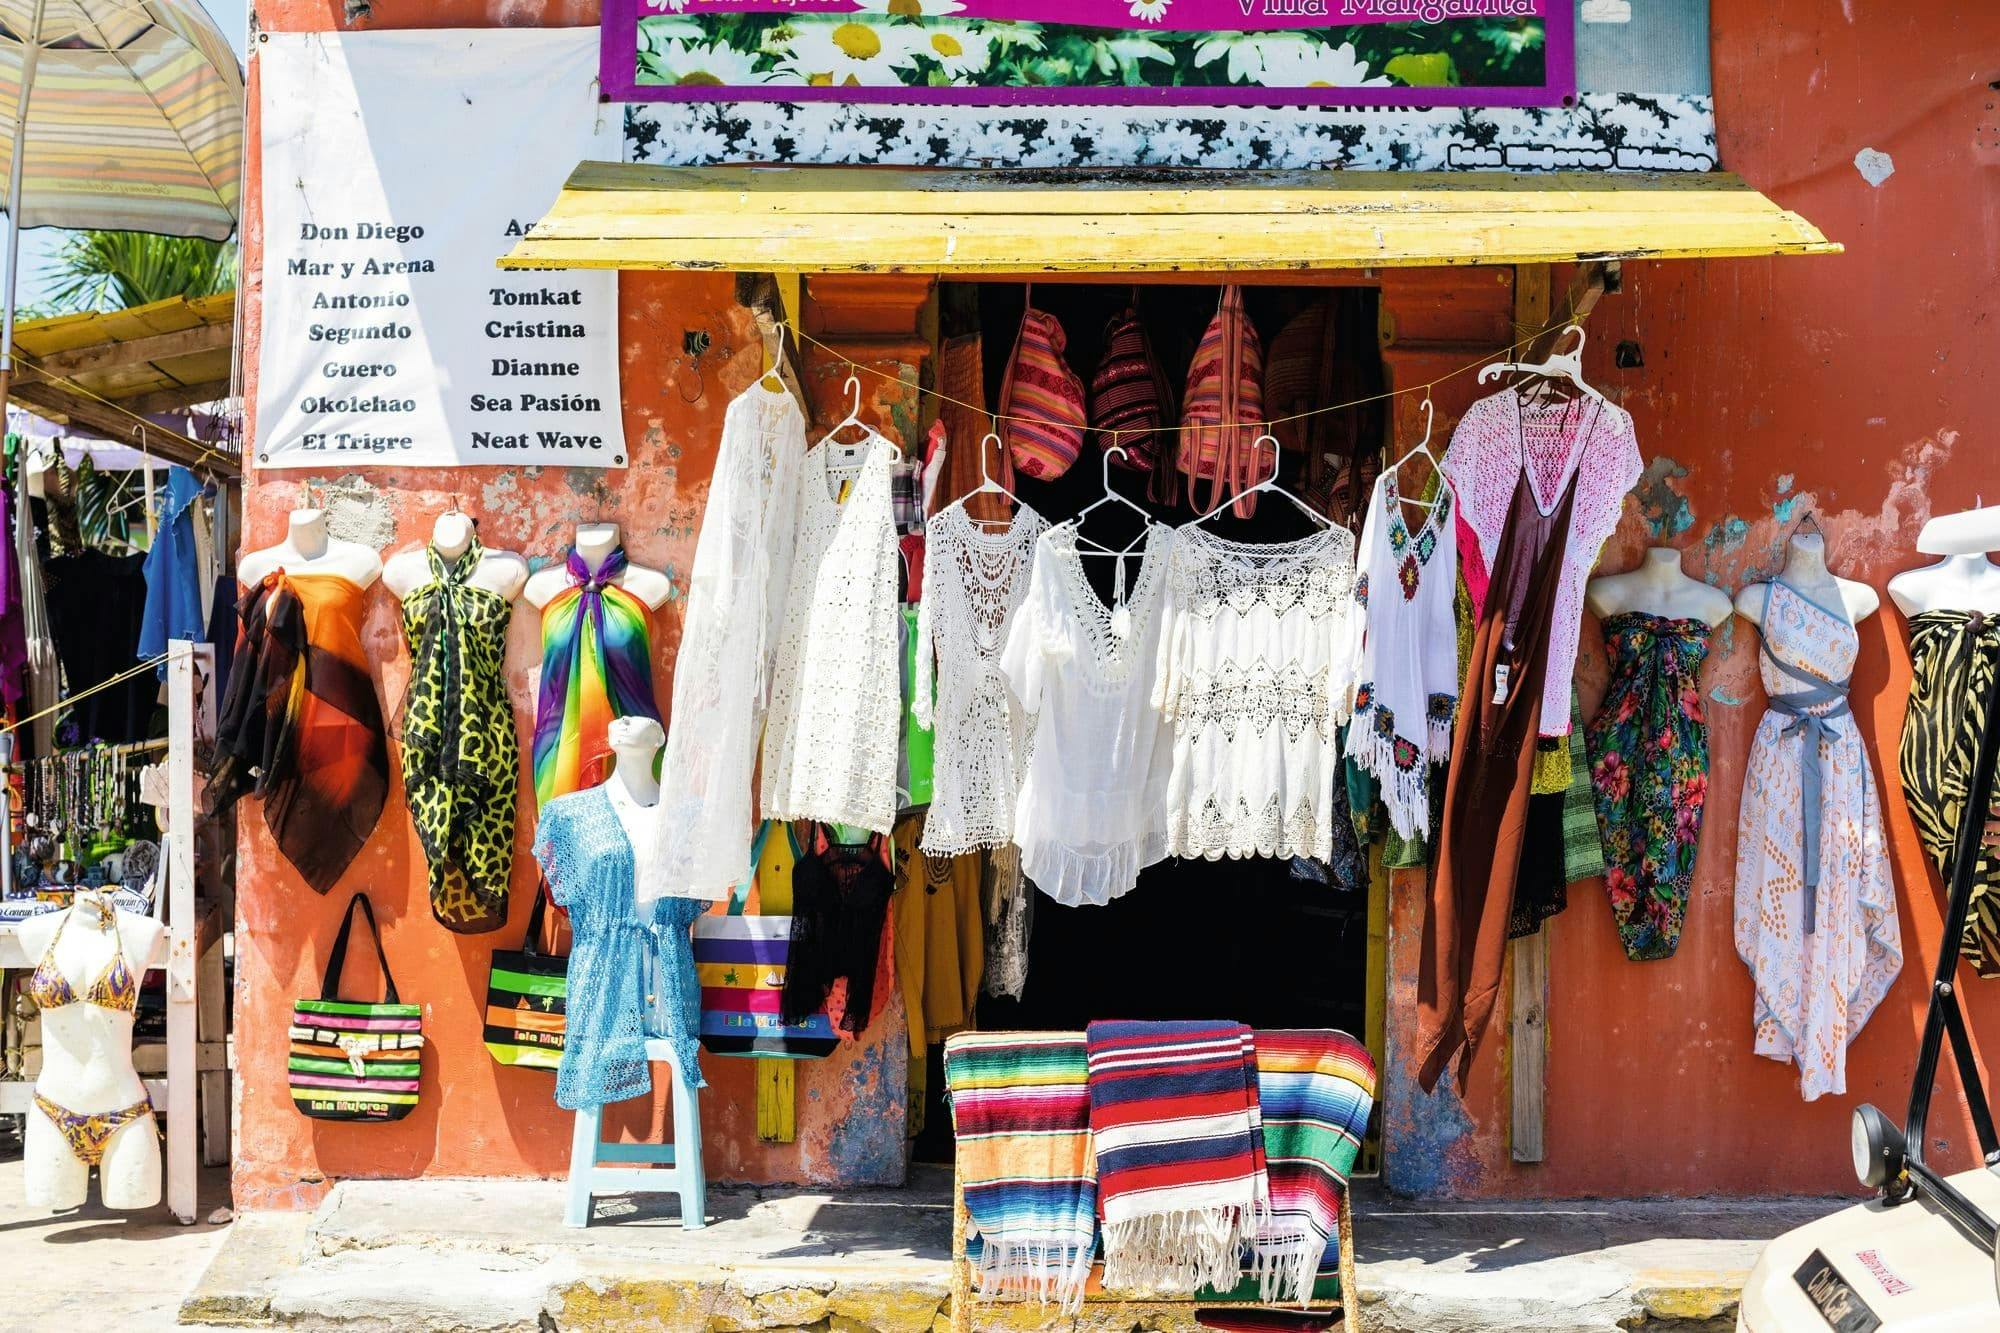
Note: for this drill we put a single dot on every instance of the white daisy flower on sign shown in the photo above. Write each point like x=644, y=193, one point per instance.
x=844, y=52
x=1149, y=11
x=663, y=6
x=910, y=9
x=1173, y=145
x=712, y=65
x=959, y=48
x=1244, y=51
x=1296, y=61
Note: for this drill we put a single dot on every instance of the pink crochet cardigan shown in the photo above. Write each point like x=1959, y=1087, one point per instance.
x=1485, y=460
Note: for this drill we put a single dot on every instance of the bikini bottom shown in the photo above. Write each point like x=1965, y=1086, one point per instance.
x=88, y=1133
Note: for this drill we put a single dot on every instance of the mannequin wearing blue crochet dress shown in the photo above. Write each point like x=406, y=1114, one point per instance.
x=628, y=978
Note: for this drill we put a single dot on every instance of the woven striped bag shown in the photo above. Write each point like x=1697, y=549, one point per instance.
x=1222, y=415
x=350, y=1060
x=1041, y=399
x=527, y=999
x=1129, y=394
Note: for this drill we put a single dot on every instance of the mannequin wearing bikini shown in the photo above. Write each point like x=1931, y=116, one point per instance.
x=594, y=544
x=503, y=573
x=90, y=1107
x=1806, y=572
x=1657, y=588
x=309, y=549
x=1965, y=580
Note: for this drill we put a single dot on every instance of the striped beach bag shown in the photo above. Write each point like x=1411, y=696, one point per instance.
x=354, y=1061
x=1041, y=399
x=526, y=997
x=739, y=962
x=1222, y=413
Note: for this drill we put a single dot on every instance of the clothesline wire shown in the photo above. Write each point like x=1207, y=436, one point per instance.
x=1426, y=386
x=100, y=686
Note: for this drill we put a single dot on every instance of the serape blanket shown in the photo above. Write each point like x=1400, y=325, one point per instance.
x=1180, y=1157
x=1315, y=1088
x=1020, y=1106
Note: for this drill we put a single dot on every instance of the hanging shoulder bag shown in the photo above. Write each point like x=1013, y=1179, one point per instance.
x=1223, y=413
x=526, y=999
x=353, y=1060
x=739, y=962
x=1130, y=400
x=1041, y=399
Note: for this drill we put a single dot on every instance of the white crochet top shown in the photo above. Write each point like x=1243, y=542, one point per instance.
x=1593, y=440
x=974, y=579
x=836, y=693
x=736, y=597
x=1092, y=812
x=1256, y=671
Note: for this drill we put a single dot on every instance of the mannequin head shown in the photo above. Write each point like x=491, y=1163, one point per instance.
x=306, y=529
x=452, y=534
x=635, y=743
x=595, y=542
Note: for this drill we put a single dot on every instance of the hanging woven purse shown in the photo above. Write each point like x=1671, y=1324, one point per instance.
x=1222, y=415
x=739, y=962
x=352, y=1060
x=1041, y=399
x=526, y=1000
x=1130, y=398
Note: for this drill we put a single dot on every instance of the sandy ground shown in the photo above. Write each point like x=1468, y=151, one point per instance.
x=93, y=1269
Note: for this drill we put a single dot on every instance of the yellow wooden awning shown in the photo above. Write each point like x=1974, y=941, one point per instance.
x=896, y=220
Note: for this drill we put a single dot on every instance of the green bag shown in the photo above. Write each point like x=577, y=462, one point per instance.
x=353, y=1060
x=526, y=999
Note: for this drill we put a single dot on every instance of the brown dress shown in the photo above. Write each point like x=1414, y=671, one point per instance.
x=1487, y=789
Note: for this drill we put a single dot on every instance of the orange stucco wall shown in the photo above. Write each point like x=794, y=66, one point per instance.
x=1858, y=386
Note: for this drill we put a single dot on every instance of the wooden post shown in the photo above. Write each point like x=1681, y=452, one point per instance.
x=182, y=1057
x=1350, y=1284
x=961, y=1267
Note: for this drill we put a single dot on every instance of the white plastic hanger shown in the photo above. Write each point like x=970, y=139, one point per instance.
x=853, y=418
x=1560, y=365
x=1270, y=484
x=1423, y=447
x=988, y=486
x=1111, y=496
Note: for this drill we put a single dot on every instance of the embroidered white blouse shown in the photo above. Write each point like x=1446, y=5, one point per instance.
x=1407, y=694
x=836, y=691
x=974, y=580
x=1092, y=809
x=736, y=595
x=1258, y=649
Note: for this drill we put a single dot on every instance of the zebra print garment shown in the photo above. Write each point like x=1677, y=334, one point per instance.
x=1953, y=657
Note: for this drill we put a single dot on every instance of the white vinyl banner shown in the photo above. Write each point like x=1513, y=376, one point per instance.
x=397, y=167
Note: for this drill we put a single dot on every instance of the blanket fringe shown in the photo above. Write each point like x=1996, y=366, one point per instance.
x=1050, y=1273
x=1178, y=1253
x=1286, y=1267
x=1405, y=791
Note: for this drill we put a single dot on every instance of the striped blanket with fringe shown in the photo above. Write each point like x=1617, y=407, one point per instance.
x=1180, y=1158
x=1315, y=1089
x=1020, y=1106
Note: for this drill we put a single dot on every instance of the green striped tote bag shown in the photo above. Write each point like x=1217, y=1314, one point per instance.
x=353, y=1060
x=526, y=993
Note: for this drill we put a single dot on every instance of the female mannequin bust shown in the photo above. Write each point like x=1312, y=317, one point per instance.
x=87, y=1056
x=1965, y=580
x=1806, y=571
x=594, y=543
x=309, y=549
x=1658, y=588
x=503, y=573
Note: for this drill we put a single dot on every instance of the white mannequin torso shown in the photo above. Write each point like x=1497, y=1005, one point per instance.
x=1955, y=583
x=87, y=1060
x=1806, y=572
x=595, y=542
x=309, y=549
x=1659, y=588
x=503, y=573
x=633, y=789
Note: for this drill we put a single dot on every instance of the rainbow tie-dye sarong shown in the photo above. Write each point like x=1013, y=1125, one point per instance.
x=597, y=664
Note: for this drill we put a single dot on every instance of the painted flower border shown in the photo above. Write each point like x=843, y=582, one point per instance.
x=618, y=75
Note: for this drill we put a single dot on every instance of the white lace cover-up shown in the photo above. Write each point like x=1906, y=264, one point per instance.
x=1258, y=650
x=836, y=694
x=736, y=595
x=1092, y=812
x=974, y=581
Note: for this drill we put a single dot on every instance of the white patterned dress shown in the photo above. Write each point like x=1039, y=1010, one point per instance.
x=1822, y=957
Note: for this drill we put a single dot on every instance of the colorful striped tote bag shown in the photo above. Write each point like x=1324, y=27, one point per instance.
x=1041, y=399
x=1222, y=415
x=739, y=962
x=355, y=1061
x=527, y=994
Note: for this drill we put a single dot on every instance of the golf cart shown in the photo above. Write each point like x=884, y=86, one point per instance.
x=1924, y=1253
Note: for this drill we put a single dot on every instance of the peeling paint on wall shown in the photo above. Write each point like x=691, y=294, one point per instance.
x=1666, y=511
x=1874, y=166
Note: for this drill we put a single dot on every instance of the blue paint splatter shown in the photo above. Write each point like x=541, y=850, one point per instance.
x=1783, y=508
x=1666, y=511
x=1723, y=697
x=1726, y=536
x=1784, y=483
x=865, y=1146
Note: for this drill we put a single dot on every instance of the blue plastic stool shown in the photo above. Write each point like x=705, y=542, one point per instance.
x=664, y=1168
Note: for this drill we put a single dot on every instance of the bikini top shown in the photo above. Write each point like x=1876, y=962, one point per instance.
x=116, y=988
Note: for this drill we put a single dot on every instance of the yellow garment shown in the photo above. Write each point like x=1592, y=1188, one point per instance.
x=940, y=939
x=1552, y=770
x=774, y=873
